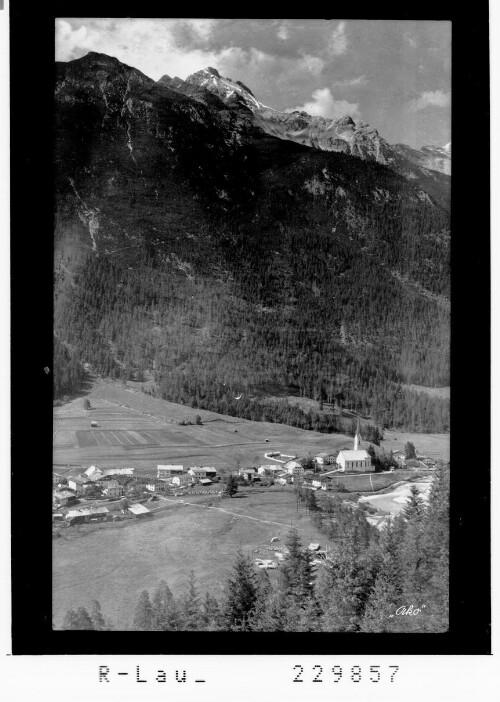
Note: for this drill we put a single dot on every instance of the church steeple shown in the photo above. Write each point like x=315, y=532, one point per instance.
x=357, y=437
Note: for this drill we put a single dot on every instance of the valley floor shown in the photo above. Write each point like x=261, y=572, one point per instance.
x=114, y=562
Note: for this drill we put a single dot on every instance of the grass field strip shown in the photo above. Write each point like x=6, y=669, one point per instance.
x=159, y=420
x=220, y=509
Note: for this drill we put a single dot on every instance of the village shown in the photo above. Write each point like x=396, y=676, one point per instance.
x=114, y=494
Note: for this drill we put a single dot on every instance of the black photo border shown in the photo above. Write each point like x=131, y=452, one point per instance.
x=31, y=100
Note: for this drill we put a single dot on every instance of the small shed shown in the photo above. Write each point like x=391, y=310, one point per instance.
x=139, y=510
x=93, y=423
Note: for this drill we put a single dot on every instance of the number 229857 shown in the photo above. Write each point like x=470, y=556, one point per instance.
x=355, y=674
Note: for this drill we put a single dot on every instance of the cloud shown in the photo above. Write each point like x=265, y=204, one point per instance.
x=283, y=32
x=430, y=98
x=350, y=82
x=174, y=46
x=323, y=104
x=338, y=41
x=312, y=64
x=412, y=41
x=204, y=28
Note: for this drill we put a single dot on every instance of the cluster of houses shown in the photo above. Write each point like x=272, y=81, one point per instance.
x=88, y=515
x=422, y=462
x=113, y=483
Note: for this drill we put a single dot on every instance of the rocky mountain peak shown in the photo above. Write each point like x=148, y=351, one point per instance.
x=345, y=122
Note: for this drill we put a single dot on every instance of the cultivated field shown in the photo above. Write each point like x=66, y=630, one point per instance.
x=139, y=431
x=136, y=430
x=436, y=446
x=114, y=562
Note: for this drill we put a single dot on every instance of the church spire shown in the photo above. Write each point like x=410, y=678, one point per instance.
x=357, y=437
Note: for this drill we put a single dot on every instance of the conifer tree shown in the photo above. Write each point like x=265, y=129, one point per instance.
x=70, y=620
x=83, y=621
x=143, y=618
x=190, y=606
x=410, y=450
x=231, y=486
x=98, y=620
x=161, y=604
x=415, y=505
x=241, y=595
x=296, y=576
x=211, y=614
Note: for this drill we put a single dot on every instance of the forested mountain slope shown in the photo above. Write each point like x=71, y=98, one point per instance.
x=191, y=244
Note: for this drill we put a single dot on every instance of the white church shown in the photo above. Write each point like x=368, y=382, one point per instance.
x=355, y=461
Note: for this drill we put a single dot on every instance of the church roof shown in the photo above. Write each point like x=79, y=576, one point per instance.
x=359, y=455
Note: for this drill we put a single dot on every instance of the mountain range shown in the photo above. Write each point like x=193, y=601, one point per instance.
x=344, y=134
x=222, y=248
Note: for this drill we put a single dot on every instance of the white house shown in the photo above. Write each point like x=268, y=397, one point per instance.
x=284, y=479
x=184, y=479
x=270, y=469
x=119, y=471
x=399, y=456
x=294, y=468
x=80, y=485
x=93, y=473
x=248, y=473
x=324, y=459
x=113, y=489
x=198, y=473
x=321, y=481
x=159, y=484
x=169, y=471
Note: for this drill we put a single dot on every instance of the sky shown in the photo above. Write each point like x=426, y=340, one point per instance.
x=395, y=75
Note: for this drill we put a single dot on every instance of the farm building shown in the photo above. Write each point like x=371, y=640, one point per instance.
x=205, y=481
x=247, y=473
x=294, y=468
x=198, y=472
x=182, y=480
x=160, y=485
x=93, y=473
x=83, y=516
x=79, y=484
x=324, y=459
x=93, y=423
x=113, y=489
x=138, y=510
x=322, y=481
x=119, y=471
x=270, y=469
x=169, y=471
x=125, y=481
x=65, y=497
